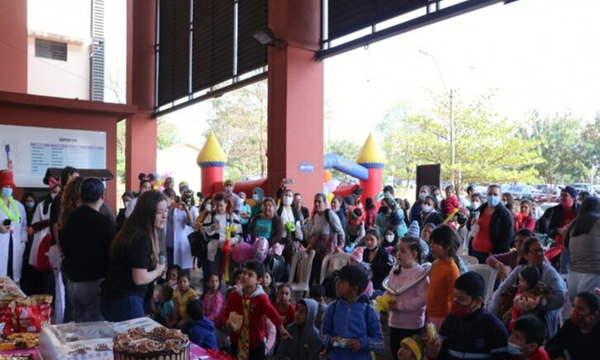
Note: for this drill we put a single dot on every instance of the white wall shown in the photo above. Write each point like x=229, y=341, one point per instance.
x=67, y=79
x=180, y=162
x=65, y=19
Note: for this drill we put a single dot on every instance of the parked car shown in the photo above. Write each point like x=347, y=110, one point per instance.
x=522, y=191
x=583, y=187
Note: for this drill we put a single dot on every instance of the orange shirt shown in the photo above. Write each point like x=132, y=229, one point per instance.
x=441, y=285
x=482, y=241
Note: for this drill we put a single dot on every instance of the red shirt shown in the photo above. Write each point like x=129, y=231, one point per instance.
x=539, y=354
x=287, y=316
x=259, y=306
x=482, y=241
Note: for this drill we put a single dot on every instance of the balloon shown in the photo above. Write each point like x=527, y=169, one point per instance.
x=326, y=176
x=329, y=197
x=261, y=249
x=242, y=253
x=331, y=185
x=325, y=190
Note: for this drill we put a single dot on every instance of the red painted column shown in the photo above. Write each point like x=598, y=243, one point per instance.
x=13, y=46
x=295, y=110
x=140, y=154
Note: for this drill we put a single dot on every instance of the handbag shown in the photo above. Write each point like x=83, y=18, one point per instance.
x=198, y=244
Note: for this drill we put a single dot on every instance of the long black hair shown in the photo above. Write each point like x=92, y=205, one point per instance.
x=446, y=237
x=589, y=213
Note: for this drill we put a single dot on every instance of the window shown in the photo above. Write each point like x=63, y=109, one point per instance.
x=51, y=50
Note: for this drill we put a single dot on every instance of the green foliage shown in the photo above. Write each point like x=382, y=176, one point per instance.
x=167, y=134
x=488, y=148
x=568, y=146
x=239, y=121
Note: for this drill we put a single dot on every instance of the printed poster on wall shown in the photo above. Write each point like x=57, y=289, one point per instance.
x=32, y=150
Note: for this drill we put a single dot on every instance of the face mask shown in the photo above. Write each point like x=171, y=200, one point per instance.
x=460, y=310
x=287, y=200
x=493, y=200
x=422, y=196
x=228, y=189
x=255, y=197
x=208, y=207
x=126, y=203
x=389, y=238
x=53, y=195
x=566, y=203
x=476, y=205
x=427, y=208
x=514, y=349
x=7, y=192
x=438, y=198
x=30, y=204
x=579, y=202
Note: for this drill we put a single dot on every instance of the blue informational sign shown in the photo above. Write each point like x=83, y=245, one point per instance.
x=306, y=167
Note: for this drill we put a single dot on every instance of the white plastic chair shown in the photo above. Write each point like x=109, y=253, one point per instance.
x=489, y=274
x=462, y=251
x=306, y=260
x=333, y=262
x=469, y=260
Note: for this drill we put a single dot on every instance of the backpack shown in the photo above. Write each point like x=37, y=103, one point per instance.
x=198, y=244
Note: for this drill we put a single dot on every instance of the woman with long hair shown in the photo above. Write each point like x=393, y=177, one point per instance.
x=134, y=260
x=70, y=200
x=583, y=243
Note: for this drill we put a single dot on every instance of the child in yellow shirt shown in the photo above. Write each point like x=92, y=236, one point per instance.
x=181, y=296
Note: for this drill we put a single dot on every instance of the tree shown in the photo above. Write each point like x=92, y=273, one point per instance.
x=488, y=148
x=567, y=150
x=239, y=121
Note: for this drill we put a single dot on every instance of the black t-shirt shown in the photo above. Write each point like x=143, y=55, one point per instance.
x=136, y=254
x=85, y=241
x=579, y=345
x=55, y=210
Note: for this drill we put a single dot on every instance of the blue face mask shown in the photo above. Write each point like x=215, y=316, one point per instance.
x=30, y=204
x=493, y=200
x=7, y=192
x=514, y=349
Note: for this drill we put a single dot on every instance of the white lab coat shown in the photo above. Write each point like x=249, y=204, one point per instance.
x=182, y=254
x=39, y=235
x=19, y=234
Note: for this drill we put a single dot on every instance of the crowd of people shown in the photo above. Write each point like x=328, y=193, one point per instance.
x=407, y=268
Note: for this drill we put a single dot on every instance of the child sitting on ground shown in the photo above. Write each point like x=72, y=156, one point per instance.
x=469, y=332
x=173, y=276
x=283, y=305
x=213, y=301
x=243, y=315
x=527, y=338
x=165, y=309
x=200, y=330
x=351, y=328
x=181, y=296
x=411, y=348
x=305, y=343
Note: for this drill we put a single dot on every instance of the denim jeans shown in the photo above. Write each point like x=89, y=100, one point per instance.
x=83, y=303
x=125, y=308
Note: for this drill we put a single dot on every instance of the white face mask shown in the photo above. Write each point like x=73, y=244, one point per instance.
x=208, y=207
x=255, y=197
x=389, y=238
x=427, y=208
x=438, y=197
x=422, y=196
x=287, y=200
x=476, y=205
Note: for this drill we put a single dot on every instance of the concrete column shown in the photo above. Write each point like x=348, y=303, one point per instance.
x=140, y=155
x=13, y=46
x=295, y=110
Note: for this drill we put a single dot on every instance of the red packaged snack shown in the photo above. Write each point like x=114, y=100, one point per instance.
x=30, y=314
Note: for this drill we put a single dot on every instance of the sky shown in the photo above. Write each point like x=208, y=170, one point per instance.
x=535, y=54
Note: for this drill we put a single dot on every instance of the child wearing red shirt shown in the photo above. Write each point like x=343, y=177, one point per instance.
x=284, y=306
x=250, y=303
x=527, y=338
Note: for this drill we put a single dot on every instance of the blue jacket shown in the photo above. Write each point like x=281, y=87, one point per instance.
x=202, y=333
x=352, y=321
x=305, y=343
